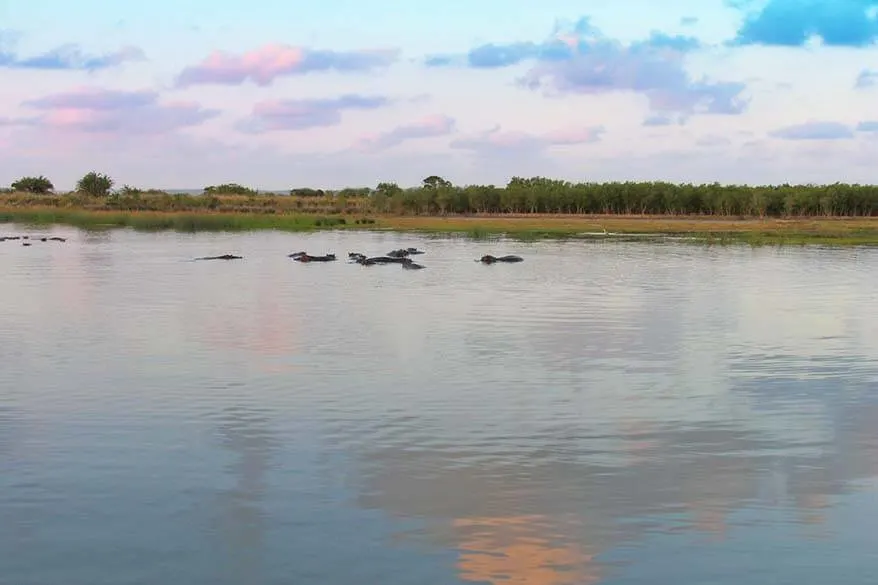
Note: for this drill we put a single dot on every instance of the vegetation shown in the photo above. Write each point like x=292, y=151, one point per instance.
x=39, y=185
x=229, y=189
x=95, y=184
x=541, y=195
x=534, y=207
x=178, y=221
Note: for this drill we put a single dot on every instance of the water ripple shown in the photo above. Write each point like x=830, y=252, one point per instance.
x=603, y=412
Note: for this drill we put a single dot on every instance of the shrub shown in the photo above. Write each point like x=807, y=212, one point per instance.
x=40, y=185
x=229, y=189
x=95, y=184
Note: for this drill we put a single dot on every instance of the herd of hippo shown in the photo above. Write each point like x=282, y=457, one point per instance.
x=28, y=241
x=401, y=257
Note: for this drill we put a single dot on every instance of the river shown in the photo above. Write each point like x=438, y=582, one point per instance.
x=610, y=413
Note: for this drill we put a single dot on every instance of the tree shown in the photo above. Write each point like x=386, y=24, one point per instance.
x=229, y=189
x=307, y=192
x=355, y=192
x=95, y=184
x=435, y=181
x=129, y=191
x=387, y=195
x=40, y=185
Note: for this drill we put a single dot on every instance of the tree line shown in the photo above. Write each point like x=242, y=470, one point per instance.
x=437, y=196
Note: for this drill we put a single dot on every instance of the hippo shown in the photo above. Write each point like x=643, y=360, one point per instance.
x=305, y=257
x=488, y=259
x=223, y=257
x=361, y=259
x=410, y=264
x=389, y=260
x=403, y=252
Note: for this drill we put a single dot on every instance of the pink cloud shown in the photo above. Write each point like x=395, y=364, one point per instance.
x=494, y=139
x=99, y=111
x=283, y=115
x=70, y=118
x=437, y=125
x=70, y=57
x=263, y=65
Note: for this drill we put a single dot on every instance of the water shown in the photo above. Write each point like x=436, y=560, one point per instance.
x=602, y=413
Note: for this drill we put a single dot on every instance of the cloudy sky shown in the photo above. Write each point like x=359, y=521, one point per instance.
x=278, y=94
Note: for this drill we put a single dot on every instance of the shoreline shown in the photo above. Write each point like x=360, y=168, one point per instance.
x=837, y=231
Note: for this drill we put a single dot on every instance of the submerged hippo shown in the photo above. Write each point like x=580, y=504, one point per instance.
x=488, y=259
x=410, y=264
x=305, y=257
x=223, y=257
x=378, y=260
x=404, y=252
x=40, y=238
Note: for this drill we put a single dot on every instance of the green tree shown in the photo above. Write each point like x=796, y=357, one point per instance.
x=355, y=192
x=543, y=195
x=95, y=184
x=129, y=191
x=40, y=185
x=435, y=181
x=229, y=189
x=307, y=192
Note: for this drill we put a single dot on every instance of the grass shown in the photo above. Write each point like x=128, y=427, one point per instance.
x=755, y=231
x=709, y=229
x=177, y=221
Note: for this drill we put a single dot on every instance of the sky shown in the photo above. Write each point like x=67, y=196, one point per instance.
x=277, y=95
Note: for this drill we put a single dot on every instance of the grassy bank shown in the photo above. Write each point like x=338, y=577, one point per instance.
x=712, y=229
x=186, y=221
x=833, y=231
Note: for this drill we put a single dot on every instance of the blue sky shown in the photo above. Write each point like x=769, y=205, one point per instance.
x=280, y=94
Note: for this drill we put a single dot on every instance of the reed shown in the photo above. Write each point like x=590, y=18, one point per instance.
x=152, y=211
x=157, y=221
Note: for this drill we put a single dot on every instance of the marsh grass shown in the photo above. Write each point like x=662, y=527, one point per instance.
x=83, y=212
x=159, y=221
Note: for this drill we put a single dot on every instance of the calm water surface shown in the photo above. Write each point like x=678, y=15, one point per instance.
x=602, y=413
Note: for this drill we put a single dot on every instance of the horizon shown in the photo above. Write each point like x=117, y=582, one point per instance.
x=692, y=91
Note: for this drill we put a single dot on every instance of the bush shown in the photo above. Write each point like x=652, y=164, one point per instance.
x=95, y=184
x=542, y=195
x=229, y=189
x=40, y=185
x=307, y=192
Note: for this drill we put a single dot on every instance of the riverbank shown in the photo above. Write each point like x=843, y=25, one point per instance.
x=829, y=231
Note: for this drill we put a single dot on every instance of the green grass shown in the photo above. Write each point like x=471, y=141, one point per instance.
x=748, y=231
x=182, y=222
